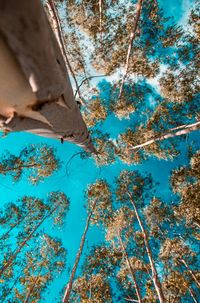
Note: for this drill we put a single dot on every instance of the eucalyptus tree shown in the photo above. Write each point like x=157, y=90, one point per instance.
x=35, y=162
x=185, y=182
x=92, y=288
x=121, y=223
x=41, y=266
x=99, y=209
x=131, y=188
x=179, y=255
x=54, y=209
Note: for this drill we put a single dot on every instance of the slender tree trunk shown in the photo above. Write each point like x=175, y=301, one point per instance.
x=130, y=300
x=79, y=253
x=132, y=37
x=131, y=270
x=100, y=18
x=18, y=250
x=192, y=295
x=57, y=27
x=191, y=272
x=155, y=278
x=186, y=129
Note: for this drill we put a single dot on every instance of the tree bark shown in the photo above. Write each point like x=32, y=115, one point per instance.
x=79, y=253
x=186, y=129
x=155, y=278
x=131, y=270
x=132, y=37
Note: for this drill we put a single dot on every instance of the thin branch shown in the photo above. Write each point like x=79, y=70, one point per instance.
x=68, y=162
x=57, y=27
x=131, y=300
x=187, y=129
x=86, y=79
x=132, y=37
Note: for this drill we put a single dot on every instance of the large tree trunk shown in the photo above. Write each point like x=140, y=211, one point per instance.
x=34, y=79
x=79, y=253
x=131, y=270
x=155, y=278
x=170, y=134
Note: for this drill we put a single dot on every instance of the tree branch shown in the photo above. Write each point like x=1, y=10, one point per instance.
x=186, y=129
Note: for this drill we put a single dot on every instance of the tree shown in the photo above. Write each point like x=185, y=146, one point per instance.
x=41, y=266
x=36, y=162
x=178, y=252
x=185, y=182
x=130, y=189
x=115, y=229
x=98, y=199
x=56, y=207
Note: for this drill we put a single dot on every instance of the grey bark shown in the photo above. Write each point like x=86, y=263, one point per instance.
x=25, y=29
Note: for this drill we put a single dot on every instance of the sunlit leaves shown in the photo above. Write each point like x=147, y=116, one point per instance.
x=35, y=162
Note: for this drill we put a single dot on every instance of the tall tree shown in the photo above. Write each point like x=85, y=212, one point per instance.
x=36, y=162
x=99, y=198
x=131, y=187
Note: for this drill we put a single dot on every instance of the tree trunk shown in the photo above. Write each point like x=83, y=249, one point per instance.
x=186, y=129
x=58, y=30
x=100, y=19
x=18, y=250
x=191, y=272
x=155, y=278
x=132, y=37
x=131, y=270
x=79, y=253
x=192, y=295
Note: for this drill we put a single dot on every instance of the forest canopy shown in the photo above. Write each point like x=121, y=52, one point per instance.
x=122, y=224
